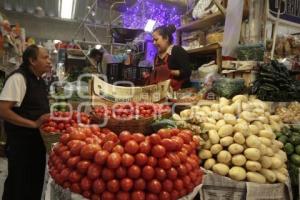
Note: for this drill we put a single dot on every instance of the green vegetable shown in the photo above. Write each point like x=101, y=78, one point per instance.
x=227, y=87
x=164, y=123
x=297, y=149
x=289, y=148
x=295, y=158
x=283, y=139
x=294, y=173
x=278, y=134
x=295, y=140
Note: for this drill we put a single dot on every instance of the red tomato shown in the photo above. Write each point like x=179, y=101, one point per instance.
x=179, y=142
x=165, y=163
x=164, y=133
x=77, y=135
x=107, y=196
x=108, y=146
x=85, y=183
x=66, y=185
x=150, y=196
x=75, y=146
x=140, y=184
x=111, y=137
x=121, y=172
x=87, y=194
x=101, y=157
x=131, y=147
x=62, y=149
x=75, y=188
x=138, y=137
x=118, y=149
x=178, y=184
x=95, y=197
x=187, y=138
x=138, y=195
x=125, y=136
x=107, y=174
x=141, y=159
x=145, y=147
x=66, y=155
x=164, y=195
x=183, y=156
x=127, y=160
x=182, y=192
x=74, y=177
x=93, y=171
x=174, y=195
x=148, y=172
x=160, y=174
x=188, y=166
x=152, y=161
x=113, y=160
x=83, y=165
x=65, y=138
x=182, y=170
x=154, y=186
x=88, y=151
x=65, y=174
x=126, y=184
x=169, y=144
x=175, y=131
x=190, y=187
x=186, y=180
x=158, y=151
x=167, y=185
x=123, y=195
x=113, y=186
x=98, y=186
x=155, y=139
x=61, y=126
x=172, y=174
x=134, y=172
x=72, y=162
x=174, y=159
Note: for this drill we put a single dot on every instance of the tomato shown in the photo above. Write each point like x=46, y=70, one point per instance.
x=75, y=146
x=107, y=196
x=138, y=195
x=186, y=137
x=118, y=149
x=126, y=184
x=158, y=151
x=121, y=172
x=111, y=137
x=93, y=171
x=165, y=163
x=65, y=138
x=66, y=185
x=155, y=139
x=179, y=142
x=75, y=188
x=99, y=186
x=77, y=135
x=172, y=174
x=182, y=155
x=87, y=194
x=160, y=174
x=182, y=192
x=101, y=157
x=152, y=161
x=107, y=174
x=134, y=172
x=178, y=184
x=164, y=133
x=154, y=186
x=175, y=131
x=95, y=197
x=145, y=147
x=88, y=151
x=188, y=148
x=72, y=162
x=164, y=195
x=141, y=159
x=150, y=196
x=61, y=126
x=66, y=155
x=62, y=149
x=127, y=160
x=167, y=185
x=113, y=186
x=123, y=195
x=169, y=144
x=186, y=180
x=174, y=159
x=190, y=187
x=131, y=147
x=108, y=146
x=113, y=160
x=83, y=165
x=85, y=183
x=124, y=137
x=74, y=176
x=148, y=172
x=174, y=195
x=138, y=137
x=182, y=171
x=193, y=176
x=140, y=184
x=188, y=166
x=65, y=174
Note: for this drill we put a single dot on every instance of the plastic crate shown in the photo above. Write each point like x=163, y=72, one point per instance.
x=129, y=73
x=114, y=72
x=140, y=80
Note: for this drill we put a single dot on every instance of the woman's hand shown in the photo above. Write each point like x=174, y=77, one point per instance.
x=41, y=120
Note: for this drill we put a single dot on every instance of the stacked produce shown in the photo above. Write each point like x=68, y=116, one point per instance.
x=289, y=114
x=239, y=139
x=274, y=83
x=60, y=122
x=101, y=165
x=131, y=110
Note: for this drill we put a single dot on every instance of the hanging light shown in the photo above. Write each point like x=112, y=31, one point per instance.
x=67, y=8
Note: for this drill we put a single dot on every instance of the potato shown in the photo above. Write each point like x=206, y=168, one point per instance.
x=253, y=166
x=281, y=154
x=237, y=173
x=237, y=106
x=265, y=141
x=220, y=123
x=267, y=134
x=269, y=175
x=227, y=109
x=216, y=148
x=213, y=136
x=269, y=152
x=205, y=154
x=242, y=128
x=223, y=101
x=266, y=162
x=176, y=117
x=253, y=141
x=280, y=177
x=263, y=149
x=253, y=129
x=185, y=114
x=263, y=119
x=248, y=116
x=238, y=160
x=235, y=149
x=207, y=144
x=215, y=107
x=259, y=125
x=226, y=141
x=242, y=121
x=259, y=111
x=274, y=148
x=246, y=107
x=216, y=115
x=211, y=120
x=224, y=157
x=220, y=169
x=252, y=154
x=275, y=118
x=209, y=163
x=206, y=109
x=242, y=98
x=284, y=171
x=278, y=144
x=255, y=177
x=225, y=130
x=239, y=138
x=268, y=127
x=230, y=118
x=276, y=163
x=208, y=126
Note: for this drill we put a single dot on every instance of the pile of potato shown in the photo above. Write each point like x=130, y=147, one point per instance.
x=239, y=139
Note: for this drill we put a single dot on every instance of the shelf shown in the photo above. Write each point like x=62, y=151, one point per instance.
x=206, y=49
x=203, y=23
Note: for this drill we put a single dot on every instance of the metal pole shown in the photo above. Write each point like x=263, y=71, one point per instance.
x=275, y=30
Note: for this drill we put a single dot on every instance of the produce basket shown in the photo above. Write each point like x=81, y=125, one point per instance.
x=49, y=139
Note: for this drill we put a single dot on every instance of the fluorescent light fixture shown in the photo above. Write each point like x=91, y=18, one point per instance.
x=98, y=46
x=150, y=25
x=67, y=8
x=56, y=41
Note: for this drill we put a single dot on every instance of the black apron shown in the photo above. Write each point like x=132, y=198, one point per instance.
x=25, y=149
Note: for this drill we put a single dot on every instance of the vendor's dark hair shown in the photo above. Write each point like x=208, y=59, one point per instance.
x=95, y=52
x=30, y=52
x=166, y=31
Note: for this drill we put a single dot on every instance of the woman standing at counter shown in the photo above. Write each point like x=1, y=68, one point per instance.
x=171, y=61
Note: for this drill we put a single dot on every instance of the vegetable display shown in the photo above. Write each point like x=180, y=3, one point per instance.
x=289, y=114
x=238, y=139
x=99, y=164
x=227, y=87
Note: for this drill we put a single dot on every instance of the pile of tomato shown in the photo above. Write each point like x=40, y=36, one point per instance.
x=59, y=122
x=99, y=164
x=131, y=110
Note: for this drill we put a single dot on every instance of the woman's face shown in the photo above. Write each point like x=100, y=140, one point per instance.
x=161, y=43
